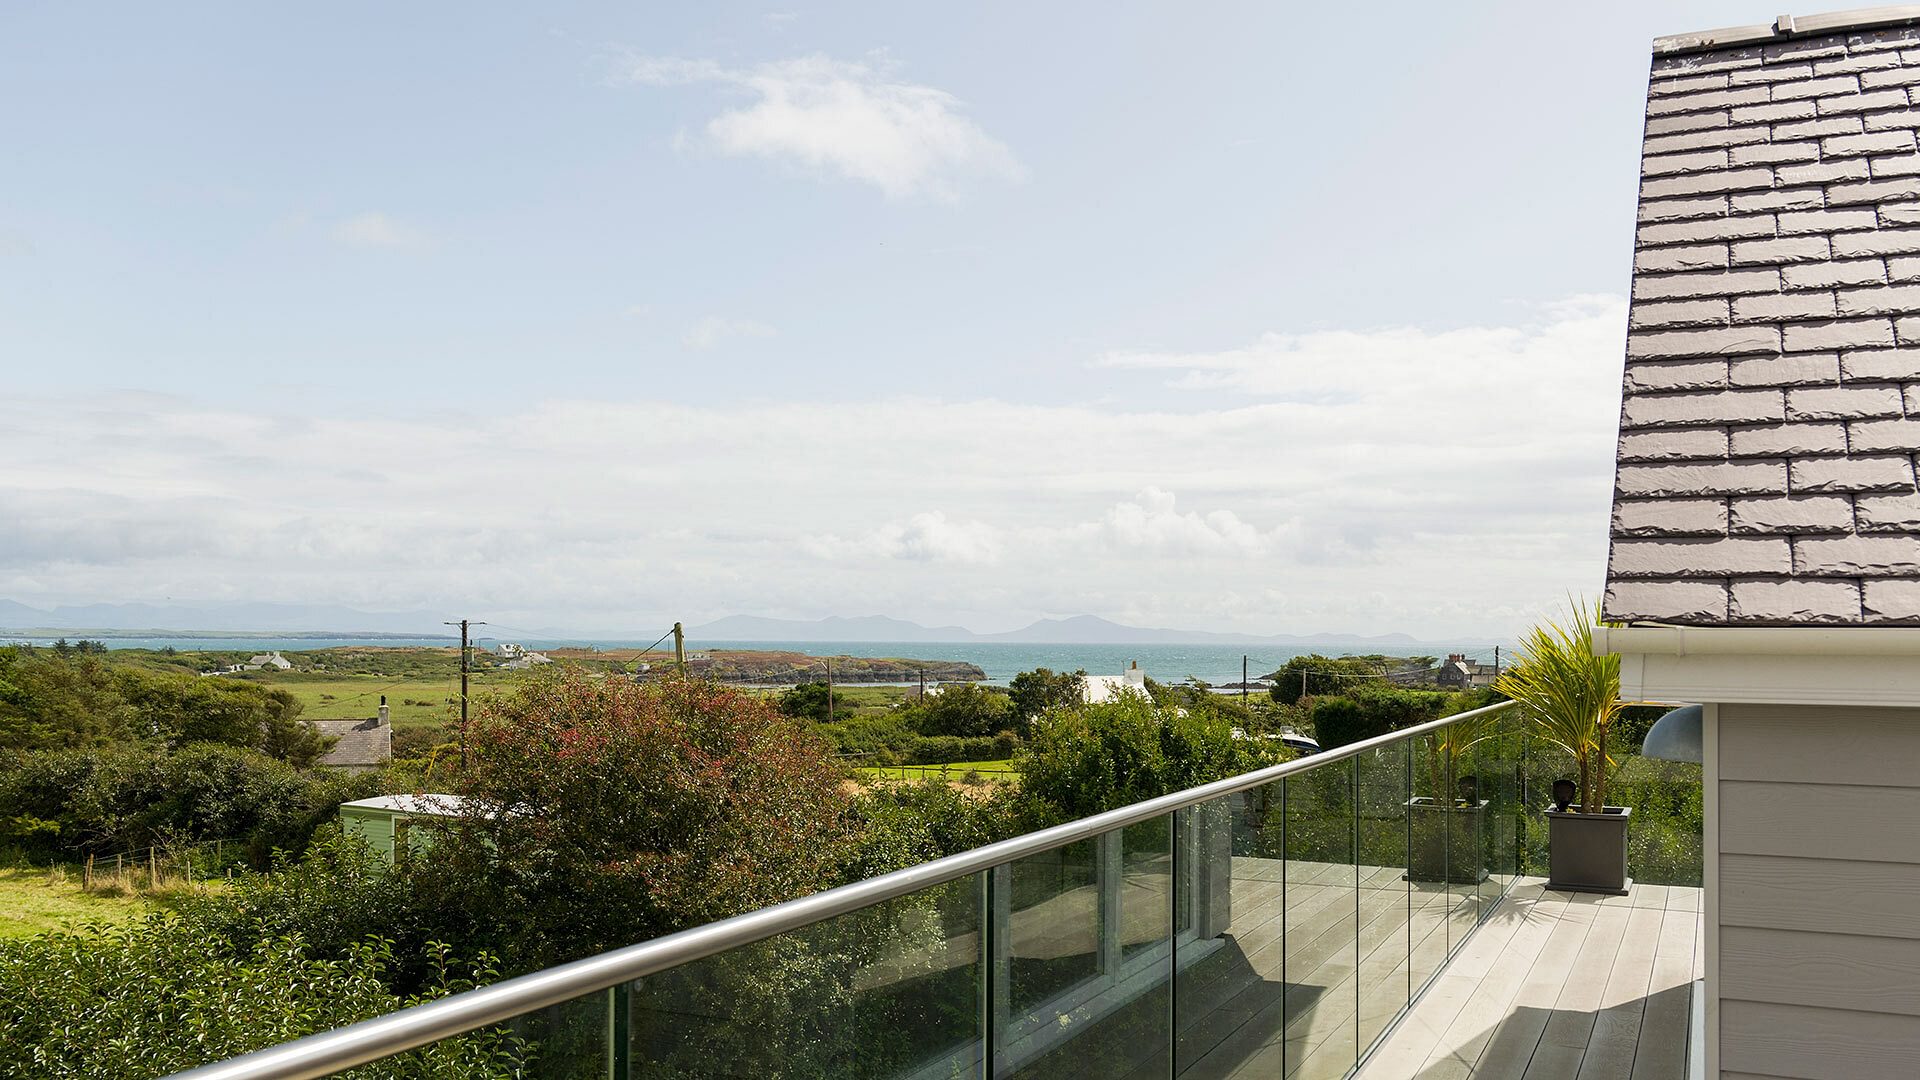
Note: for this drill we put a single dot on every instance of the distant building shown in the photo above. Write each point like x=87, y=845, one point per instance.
x=360, y=745
x=1460, y=673
x=267, y=660
x=509, y=650
x=523, y=660
x=385, y=821
x=1099, y=689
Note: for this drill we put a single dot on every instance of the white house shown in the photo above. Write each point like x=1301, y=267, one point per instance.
x=267, y=660
x=1098, y=689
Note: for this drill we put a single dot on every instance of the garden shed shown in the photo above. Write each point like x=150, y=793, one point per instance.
x=384, y=821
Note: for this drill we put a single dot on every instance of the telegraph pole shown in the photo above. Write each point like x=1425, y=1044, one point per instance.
x=829, y=688
x=679, y=649
x=466, y=655
x=1496, y=663
x=1243, y=680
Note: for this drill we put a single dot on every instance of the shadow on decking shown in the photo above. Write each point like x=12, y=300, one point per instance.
x=1563, y=1044
x=1229, y=1015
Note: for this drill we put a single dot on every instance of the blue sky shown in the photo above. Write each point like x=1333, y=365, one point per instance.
x=969, y=314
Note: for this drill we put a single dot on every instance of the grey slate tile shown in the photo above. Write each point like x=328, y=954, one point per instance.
x=1667, y=125
x=1827, y=275
x=1794, y=602
x=1791, y=515
x=1897, y=365
x=1899, y=214
x=1705, y=230
x=1878, y=242
x=1683, y=313
x=1689, y=84
x=1786, y=249
x=1805, y=198
x=1693, y=161
x=1903, y=268
x=1892, y=601
x=1787, y=440
x=1826, y=221
x=1667, y=104
x=1857, y=556
x=1670, y=517
x=1701, y=557
x=1814, y=129
x=1732, y=478
x=1887, y=513
x=1794, y=369
x=1724, y=407
x=1901, y=436
x=1872, y=142
x=1885, y=300
x=1875, y=101
x=1825, y=87
x=1653, y=376
x=1821, y=337
x=1823, y=172
x=1693, y=257
x=1812, y=476
x=1707, y=183
x=1677, y=286
x=1890, y=121
x=1666, y=601
x=1793, y=305
x=1726, y=341
x=1673, y=444
x=1680, y=209
x=1900, y=187
x=1842, y=402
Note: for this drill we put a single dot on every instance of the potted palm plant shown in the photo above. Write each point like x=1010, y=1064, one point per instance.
x=1571, y=697
x=1447, y=829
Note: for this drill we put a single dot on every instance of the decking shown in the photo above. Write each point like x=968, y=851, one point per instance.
x=1560, y=986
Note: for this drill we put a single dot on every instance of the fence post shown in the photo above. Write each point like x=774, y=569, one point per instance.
x=89, y=872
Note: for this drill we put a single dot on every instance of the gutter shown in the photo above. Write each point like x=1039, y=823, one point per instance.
x=1755, y=641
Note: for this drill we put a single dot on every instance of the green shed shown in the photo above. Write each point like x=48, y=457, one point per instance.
x=383, y=821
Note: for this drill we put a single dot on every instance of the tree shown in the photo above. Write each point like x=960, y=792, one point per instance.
x=1034, y=692
x=602, y=812
x=807, y=700
x=1313, y=674
x=962, y=709
x=1083, y=761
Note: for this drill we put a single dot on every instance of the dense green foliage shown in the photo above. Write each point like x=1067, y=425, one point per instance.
x=967, y=710
x=165, y=994
x=70, y=700
x=1083, y=761
x=1313, y=675
x=811, y=701
x=1031, y=693
x=74, y=803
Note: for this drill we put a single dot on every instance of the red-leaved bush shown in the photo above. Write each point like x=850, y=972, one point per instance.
x=606, y=812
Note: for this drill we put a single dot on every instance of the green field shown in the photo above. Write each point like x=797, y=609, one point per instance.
x=415, y=702
x=954, y=770
x=35, y=901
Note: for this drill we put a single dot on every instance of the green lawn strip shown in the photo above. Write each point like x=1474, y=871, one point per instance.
x=953, y=770
x=34, y=902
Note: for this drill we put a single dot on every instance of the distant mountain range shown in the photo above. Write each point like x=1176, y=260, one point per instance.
x=171, y=620
x=1078, y=630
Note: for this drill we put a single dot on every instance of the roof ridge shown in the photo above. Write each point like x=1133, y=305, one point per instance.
x=1787, y=26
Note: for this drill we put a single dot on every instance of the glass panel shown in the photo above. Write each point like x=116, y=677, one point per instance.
x=1322, y=922
x=1427, y=860
x=569, y=1041
x=1053, y=928
x=1230, y=1000
x=890, y=990
x=1384, y=889
x=1118, y=1022
x=1497, y=764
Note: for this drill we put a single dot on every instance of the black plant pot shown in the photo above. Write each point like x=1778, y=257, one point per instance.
x=1588, y=852
x=1446, y=843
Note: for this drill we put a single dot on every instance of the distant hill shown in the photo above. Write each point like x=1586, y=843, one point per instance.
x=1077, y=630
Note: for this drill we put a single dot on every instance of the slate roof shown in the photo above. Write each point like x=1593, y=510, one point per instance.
x=1771, y=413
x=363, y=744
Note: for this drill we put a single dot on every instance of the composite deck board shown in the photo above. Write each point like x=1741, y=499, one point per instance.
x=1559, y=986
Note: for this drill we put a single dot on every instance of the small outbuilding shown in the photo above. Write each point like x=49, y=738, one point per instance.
x=385, y=821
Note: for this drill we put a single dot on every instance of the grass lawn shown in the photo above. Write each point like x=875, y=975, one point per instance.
x=413, y=701
x=34, y=901
x=992, y=770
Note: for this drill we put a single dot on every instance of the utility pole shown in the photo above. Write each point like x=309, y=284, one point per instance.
x=1496, y=663
x=466, y=655
x=923, y=684
x=1303, y=682
x=1243, y=680
x=679, y=649
x=829, y=687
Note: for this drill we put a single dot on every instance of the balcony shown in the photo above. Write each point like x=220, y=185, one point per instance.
x=1318, y=918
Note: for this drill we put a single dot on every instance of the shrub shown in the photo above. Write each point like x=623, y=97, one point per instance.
x=902, y=824
x=962, y=709
x=160, y=996
x=1084, y=761
x=628, y=810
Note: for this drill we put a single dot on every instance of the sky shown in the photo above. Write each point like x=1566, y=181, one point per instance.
x=585, y=316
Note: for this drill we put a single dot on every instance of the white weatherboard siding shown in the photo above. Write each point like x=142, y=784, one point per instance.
x=1818, y=892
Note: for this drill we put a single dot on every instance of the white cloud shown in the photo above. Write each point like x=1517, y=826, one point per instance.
x=377, y=230
x=858, y=121
x=1436, y=483
x=713, y=330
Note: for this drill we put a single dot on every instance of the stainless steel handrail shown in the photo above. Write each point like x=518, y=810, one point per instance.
x=330, y=1052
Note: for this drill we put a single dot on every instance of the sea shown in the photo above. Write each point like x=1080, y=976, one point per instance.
x=1214, y=664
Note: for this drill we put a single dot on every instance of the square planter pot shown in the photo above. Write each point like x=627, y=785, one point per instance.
x=1446, y=843
x=1588, y=852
